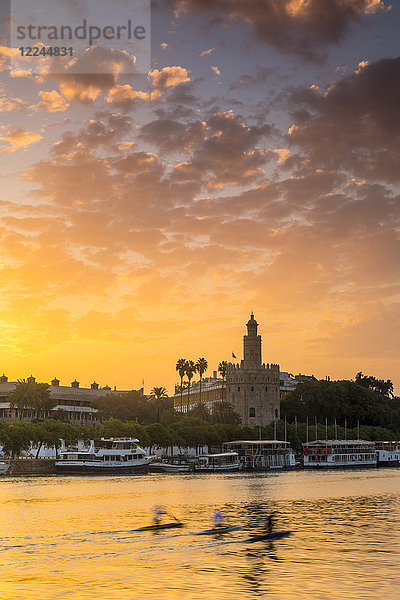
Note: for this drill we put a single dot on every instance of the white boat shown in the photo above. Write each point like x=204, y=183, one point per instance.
x=109, y=456
x=170, y=464
x=339, y=454
x=263, y=455
x=4, y=466
x=225, y=461
x=388, y=454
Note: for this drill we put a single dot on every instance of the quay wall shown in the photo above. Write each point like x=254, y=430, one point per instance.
x=32, y=466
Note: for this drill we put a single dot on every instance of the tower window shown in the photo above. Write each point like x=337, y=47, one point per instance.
x=266, y=388
x=252, y=388
x=238, y=388
x=252, y=412
x=276, y=413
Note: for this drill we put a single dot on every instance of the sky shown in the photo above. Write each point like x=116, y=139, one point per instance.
x=253, y=168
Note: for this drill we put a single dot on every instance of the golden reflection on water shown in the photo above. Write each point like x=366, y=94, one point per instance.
x=72, y=537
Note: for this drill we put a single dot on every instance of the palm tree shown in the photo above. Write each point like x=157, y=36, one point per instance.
x=157, y=398
x=201, y=367
x=181, y=368
x=222, y=369
x=190, y=370
x=31, y=395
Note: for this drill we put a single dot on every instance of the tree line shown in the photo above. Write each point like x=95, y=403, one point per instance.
x=187, y=432
x=366, y=401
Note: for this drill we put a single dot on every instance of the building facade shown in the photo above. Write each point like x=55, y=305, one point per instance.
x=251, y=386
x=73, y=402
x=213, y=390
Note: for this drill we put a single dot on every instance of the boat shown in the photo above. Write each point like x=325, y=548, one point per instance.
x=109, y=456
x=388, y=454
x=279, y=535
x=224, y=461
x=174, y=525
x=339, y=454
x=263, y=455
x=219, y=530
x=4, y=466
x=170, y=464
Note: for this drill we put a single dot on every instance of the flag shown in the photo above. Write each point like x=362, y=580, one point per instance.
x=233, y=356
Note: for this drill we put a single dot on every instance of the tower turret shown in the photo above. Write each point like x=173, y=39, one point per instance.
x=252, y=345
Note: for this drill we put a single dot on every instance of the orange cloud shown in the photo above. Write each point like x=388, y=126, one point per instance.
x=19, y=138
x=51, y=102
x=169, y=77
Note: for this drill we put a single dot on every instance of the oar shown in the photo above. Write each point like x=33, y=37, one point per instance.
x=171, y=515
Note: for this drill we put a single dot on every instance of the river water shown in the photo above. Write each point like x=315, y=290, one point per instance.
x=71, y=537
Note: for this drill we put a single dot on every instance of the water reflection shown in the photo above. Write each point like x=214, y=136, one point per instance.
x=75, y=538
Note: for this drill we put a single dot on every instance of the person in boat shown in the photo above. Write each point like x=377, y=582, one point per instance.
x=218, y=519
x=158, y=514
x=271, y=522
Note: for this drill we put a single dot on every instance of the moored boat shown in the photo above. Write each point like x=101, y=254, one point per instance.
x=4, y=466
x=339, y=454
x=110, y=456
x=263, y=455
x=388, y=454
x=224, y=461
x=170, y=464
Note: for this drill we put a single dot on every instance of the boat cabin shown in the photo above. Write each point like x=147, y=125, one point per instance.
x=263, y=455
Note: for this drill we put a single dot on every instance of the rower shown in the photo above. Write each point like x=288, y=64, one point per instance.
x=218, y=519
x=271, y=522
x=159, y=512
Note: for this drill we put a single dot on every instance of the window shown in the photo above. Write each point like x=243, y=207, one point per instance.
x=238, y=388
x=276, y=413
x=266, y=388
x=252, y=388
x=252, y=412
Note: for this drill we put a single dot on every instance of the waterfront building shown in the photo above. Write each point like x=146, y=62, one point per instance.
x=213, y=389
x=252, y=387
x=339, y=454
x=73, y=402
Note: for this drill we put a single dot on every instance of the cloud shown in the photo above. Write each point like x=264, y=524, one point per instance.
x=206, y=52
x=51, y=102
x=92, y=74
x=168, y=77
x=124, y=96
x=293, y=26
x=355, y=124
x=18, y=138
x=11, y=104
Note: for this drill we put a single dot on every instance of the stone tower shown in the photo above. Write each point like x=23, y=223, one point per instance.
x=253, y=387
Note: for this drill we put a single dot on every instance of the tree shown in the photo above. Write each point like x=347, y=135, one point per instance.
x=158, y=397
x=181, y=368
x=190, y=370
x=49, y=433
x=380, y=386
x=223, y=412
x=31, y=395
x=20, y=436
x=201, y=368
x=222, y=369
x=200, y=411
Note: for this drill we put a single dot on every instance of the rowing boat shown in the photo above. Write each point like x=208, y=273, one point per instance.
x=269, y=536
x=219, y=530
x=160, y=526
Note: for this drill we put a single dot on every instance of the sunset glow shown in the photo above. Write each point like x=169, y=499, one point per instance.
x=255, y=168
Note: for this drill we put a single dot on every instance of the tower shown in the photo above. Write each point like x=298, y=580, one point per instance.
x=251, y=386
x=252, y=345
